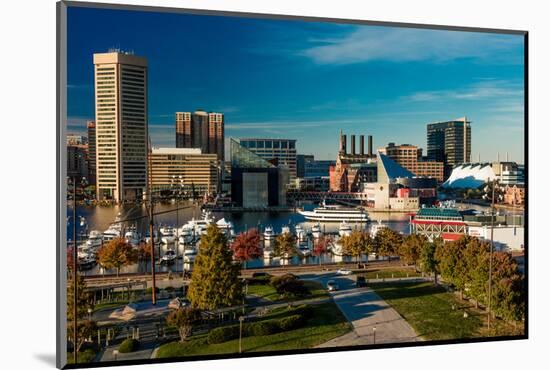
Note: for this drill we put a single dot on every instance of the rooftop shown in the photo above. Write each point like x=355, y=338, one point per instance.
x=439, y=213
x=177, y=151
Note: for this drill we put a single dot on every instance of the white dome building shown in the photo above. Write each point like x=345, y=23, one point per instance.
x=470, y=176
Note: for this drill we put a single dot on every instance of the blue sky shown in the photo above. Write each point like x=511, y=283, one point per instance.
x=306, y=80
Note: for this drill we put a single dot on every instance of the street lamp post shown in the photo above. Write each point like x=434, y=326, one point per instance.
x=486, y=196
x=241, y=319
x=75, y=266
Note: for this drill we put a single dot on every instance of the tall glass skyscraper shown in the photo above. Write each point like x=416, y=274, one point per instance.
x=450, y=142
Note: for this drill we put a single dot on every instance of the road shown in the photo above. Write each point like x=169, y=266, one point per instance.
x=365, y=310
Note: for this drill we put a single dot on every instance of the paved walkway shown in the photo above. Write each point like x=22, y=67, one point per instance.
x=365, y=310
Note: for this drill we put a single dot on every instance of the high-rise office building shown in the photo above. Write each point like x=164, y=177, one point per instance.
x=121, y=125
x=183, y=130
x=280, y=152
x=201, y=130
x=450, y=142
x=91, y=152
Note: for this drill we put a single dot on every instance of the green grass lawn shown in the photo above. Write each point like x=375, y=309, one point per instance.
x=327, y=323
x=428, y=309
x=389, y=273
x=266, y=291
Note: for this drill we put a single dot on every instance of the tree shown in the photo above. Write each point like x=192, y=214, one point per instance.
x=320, y=247
x=356, y=244
x=144, y=251
x=452, y=265
x=85, y=327
x=215, y=279
x=410, y=248
x=473, y=272
x=508, y=290
x=428, y=261
x=116, y=254
x=184, y=319
x=387, y=242
x=285, y=246
x=246, y=246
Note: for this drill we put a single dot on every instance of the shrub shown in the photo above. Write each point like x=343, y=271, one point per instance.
x=289, y=285
x=266, y=327
x=169, y=288
x=128, y=345
x=305, y=310
x=291, y=322
x=223, y=334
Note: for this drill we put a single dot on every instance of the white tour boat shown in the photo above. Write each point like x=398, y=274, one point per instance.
x=334, y=213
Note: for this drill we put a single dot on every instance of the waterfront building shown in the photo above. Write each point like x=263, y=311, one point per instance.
x=320, y=183
x=352, y=170
x=201, y=129
x=430, y=169
x=514, y=195
x=256, y=182
x=410, y=157
x=450, y=142
x=185, y=169
x=450, y=224
x=77, y=160
x=76, y=139
x=509, y=173
x=470, y=176
x=301, y=160
x=318, y=168
x=445, y=223
x=280, y=152
x=91, y=152
x=121, y=125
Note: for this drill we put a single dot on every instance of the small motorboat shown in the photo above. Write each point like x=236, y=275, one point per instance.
x=316, y=230
x=168, y=235
x=168, y=257
x=304, y=250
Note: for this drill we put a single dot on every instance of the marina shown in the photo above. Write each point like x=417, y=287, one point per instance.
x=177, y=234
x=176, y=244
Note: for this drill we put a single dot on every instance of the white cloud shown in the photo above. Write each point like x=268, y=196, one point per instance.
x=406, y=45
x=487, y=89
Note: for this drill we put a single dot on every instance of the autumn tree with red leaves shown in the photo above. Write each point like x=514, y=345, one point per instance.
x=246, y=246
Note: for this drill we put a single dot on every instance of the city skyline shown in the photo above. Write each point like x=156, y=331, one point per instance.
x=307, y=80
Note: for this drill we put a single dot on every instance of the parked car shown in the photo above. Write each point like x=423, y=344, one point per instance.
x=332, y=286
x=360, y=282
x=343, y=272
